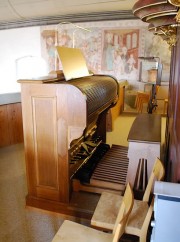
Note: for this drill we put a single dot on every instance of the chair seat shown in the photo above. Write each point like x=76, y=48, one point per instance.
x=107, y=208
x=140, y=216
x=137, y=217
x=106, y=211
x=71, y=231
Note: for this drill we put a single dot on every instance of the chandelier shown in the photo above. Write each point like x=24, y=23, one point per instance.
x=163, y=17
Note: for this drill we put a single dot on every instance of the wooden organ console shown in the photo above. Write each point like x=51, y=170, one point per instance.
x=64, y=125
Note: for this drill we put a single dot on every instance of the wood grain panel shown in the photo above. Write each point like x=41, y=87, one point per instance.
x=175, y=139
x=11, y=127
x=15, y=123
x=47, y=166
x=172, y=149
x=45, y=138
x=4, y=128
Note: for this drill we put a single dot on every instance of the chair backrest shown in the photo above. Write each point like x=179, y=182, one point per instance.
x=147, y=219
x=157, y=174
x=142, y=97
x=123, y=214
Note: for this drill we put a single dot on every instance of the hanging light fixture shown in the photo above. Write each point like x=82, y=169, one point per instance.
x=175, y=2
x=162, y=17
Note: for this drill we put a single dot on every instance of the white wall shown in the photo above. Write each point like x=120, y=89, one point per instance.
x=14, y=44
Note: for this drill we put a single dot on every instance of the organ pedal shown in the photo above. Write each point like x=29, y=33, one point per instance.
x=109, y=174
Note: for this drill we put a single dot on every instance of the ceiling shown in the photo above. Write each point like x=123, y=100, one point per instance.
x=19, y=13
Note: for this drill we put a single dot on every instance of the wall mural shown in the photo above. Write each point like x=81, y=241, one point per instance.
x=110, y=48
x=120, y=54
x=111, y=51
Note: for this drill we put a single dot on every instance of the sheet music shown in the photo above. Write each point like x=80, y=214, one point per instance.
x=73, y=62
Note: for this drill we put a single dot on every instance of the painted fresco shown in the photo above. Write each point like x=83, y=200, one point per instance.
x=48, y=46
x=120, y=54
x=110, y=48
x=157, y=47
x=107, y=51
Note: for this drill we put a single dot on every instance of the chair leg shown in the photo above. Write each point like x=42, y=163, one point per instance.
x=143, y=237
x=141, y=107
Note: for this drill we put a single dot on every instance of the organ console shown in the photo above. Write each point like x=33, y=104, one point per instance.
x=64, y=125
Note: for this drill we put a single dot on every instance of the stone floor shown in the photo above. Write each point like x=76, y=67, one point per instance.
x=19, y=223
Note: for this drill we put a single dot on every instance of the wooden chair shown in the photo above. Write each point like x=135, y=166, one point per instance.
x=144, y=97
x=107, y=208
x=141, y=98
x=72, y=232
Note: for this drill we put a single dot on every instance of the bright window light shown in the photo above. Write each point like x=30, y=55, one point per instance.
x=29, y=67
